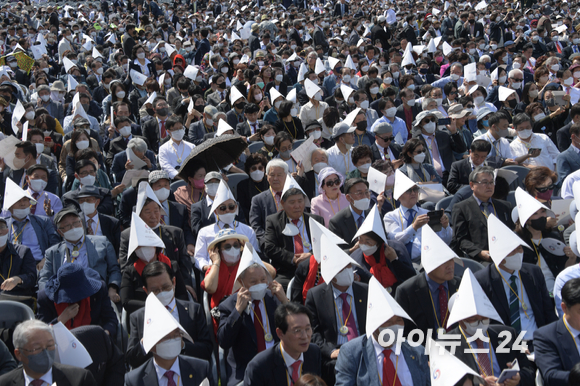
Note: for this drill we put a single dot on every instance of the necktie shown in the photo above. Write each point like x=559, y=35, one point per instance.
x=494, y=149
x=574, y=49
x=558, y=47
x=258, y=323
x=296, y=371
x=442, y=305
x=348, y=318
x=298, y=247
x=254, y=127
x=359, y=221
x=389, y=371
x=515, y=305
x=342, y=11
x=485, y=208
x=278, y=198
x=169, y=375
x=163, y=132
x=90, y=226
x=37, y=382
x=410, y=218
x=435, y=156
x=33, y=207
x=483, y=359
x=19, y=230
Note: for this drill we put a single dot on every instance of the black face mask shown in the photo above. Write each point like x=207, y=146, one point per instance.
x=162, y=112
x=240, y=106
x=539, y=224
x=513, y=103
x=423, y=70
x=221, y=86
x=199, y=108
x=361, y=126
x=150, y=112
x=472, y=21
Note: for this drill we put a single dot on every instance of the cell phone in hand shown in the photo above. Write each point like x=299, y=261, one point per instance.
x=435, y=219
x=534, y=152
x=444, y=121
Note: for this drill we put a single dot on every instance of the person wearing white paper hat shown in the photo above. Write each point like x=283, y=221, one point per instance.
x=445, y=368
x=238, y=102
x=517, y=290
x=314, y=109
x=340, y=155
x=366, y=361
x=287, y=239
x=226, y=209
x=403, y=224
x=163, y=337
x=476, y=321
x=247, y=323
x=470, y=215
x=250, y=128
x=338, y=305
x=19, y=278
x=172, y=154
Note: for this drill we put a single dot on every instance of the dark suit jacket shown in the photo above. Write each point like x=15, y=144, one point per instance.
x=108, y=365
x=413, y=296
x=203, y=49
x=128, y=202
x=193, y=372
x=244, y=129
x=378, y=33
x=268, y=367
x=338, y=10
x=197, y=131
x=416, y=109
x=563, y=137
x=120, y=159
x=191, y=318
x=459, y=175
x=319, y=301
x=446, y=144
x=237, y=333
x=111, y=229
x=254, y=42
x=16, y=175
x=17, y=260
x=262, y=206
x=344, y=226
x=308, y=183
x=527, y=371
x=151, y=132
x=106, y=206
x=117, y=145
x=534, y=284
x=470, y=225
x=178, y=217
x=429, y=78
x=62, y=375
x=556, y=353
x=280, y=248
x=567, y=162
x=477, y=31
x=395, y=148
x=128, y=41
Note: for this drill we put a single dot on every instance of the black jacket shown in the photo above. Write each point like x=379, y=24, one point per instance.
x=61, y=375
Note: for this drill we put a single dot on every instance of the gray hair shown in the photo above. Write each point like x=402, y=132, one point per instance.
x=217, y=116
x=456, y=64
x=277, y=163
x=426, y=102
x=480, y=170
x=25, y=329
x=137, y=144
x=320, y=150
x=514, y=72
x=254, y=265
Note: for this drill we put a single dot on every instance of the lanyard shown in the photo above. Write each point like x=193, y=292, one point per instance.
x=78, y=253
x=337, y=203
x=494, y=212
x=9, y=270
x=442, y=324
x=289, y=379
x=192, y=199
x=537, y=253
x=570, y=332
x=401, y=217
x=179, y=157
x=475, y=357
x=524, y=306
x=343, y=325
x=18, y=235
x=275, y=199
x=259, y=321
x=295, y=129
x=396, y=370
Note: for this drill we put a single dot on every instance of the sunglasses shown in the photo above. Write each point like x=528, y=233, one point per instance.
x=387, y=139
x=336, y=182
x=414, y=189
x=453, y=93
x=223, y=208
x=227, y=247
x=427, y=120
x=545, y=189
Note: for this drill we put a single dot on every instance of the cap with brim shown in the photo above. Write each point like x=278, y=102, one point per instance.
x=312, y=125
x=483, y=112
x=382, y=128
x=64, y=212
x=72, y=283
x=340, y=129
x=58, y=86
x=157, y=175
x=457, y=111
x=89, y=191
x=421, y=116
x=212, y=176
x=226, y=234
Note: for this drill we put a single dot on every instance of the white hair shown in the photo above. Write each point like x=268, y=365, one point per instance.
x=277, y=163
x=320, y=150
x=25, y=329
x=515, y=72
x=137, y=144
x=484, y=58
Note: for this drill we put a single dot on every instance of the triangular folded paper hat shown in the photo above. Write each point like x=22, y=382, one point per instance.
x=446, y=369
x=291, y=95
x=249, y=257
x=138, y=77
x=68, y=64
x=14, y=193
x=381, y=306
x=504, y=93
x=494, y=74
x=70, y=350
x=311, y=88
x=289, y=184
x=447, y=49
x=349, y=119
x=402, y=184
x=79, y=110
x=473, y=89
x=527, y=205
x=239, y=25
x=319, y=66
x=431, y=47
x=236, y=94
x=418, y=49
x=142, y=236
x=470, y=301
x=346, y=91
x=333, y=259
x=71, y=83
x=372, y=223
x=434, y=251
x=223, y=126
x=143, y=193
x=161, y=80
x=316, y=232
x=501, y=239
x=17, y=115
x=169, y=49
x=350, y=63
x=360, y=42
x=190, y=72
x=222, y=195
x=293, y=57
x=302, y=72
x=112, y=39
x=158, y=322
x=151, y=98
x=408, y=56
x=96, y=53
x=274, y=94
x=333, y=62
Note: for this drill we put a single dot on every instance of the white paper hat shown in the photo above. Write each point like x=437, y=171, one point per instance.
x=249, y=257
x=350, y=63
x=79, y=110
x=316, y=232
x=291, y=96
x=446, y=369
x=402, y=184
x=527, y=205
x=223, y=126
x=319, y=66
x=289, y=184
x=311, y=88
x=169, y=49
x=349, y=119
x=275, y=94
x=190, y=72
x=302, y=72
x=138, y=78
x=222, y=195
x=470, y=301
x=333, y=259
x=381, y=307
x=151, y=98
x=504, y=93
x=71, y=83
x=96, y=53
x=14, y=193
x=431, y=47
x=236, y=94
x=447, y=48
x=68, y=64
x=408, y=56
x=470, y=72
x=142, y=236
x=502, y=240
x=372, y=223
x=158, y=322
x=346, y=91
x=143, y=193
x=70, y=350
x=333, y=62
x=434, y=251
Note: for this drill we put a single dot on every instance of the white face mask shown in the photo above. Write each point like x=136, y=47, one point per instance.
x=419, y=157
x=516, y=65
x=539, y=116
x=345, y=277
x=555, y=67
x=141, y=55
x=364, y=105
x=211, y=189
x=391, y=112
x=367, y=249
x=315, y=134
x=125, y=131
x=374, y=90
x=294, y=112
x=88, y=208
x=569, y=81
x=472, y=328
x=364, y=68
x=169, y=349
x=81, y=145
x=29, y=115
x=120, y=94
x=20, y=213
x=178, y=134
x=231, y=255
x=317, y=97
x=38, y=185
x=277, y=104
x=166, y=297
x=88, y=180
x=502, y=79
x=346, y=78
x=279, y=78
x=411, y=102
x=454, y=77
x=145, y=253
x=258, y=97
x=257, y=175
x=362, y=204
x=209, y=122
x=525, y=134
x=162, y=194
x=396, y=330
x=317, y=167
x=478, y=100
x=387, y=80
x=430, y=127
x=269, y=140
x=514, y=261
x=3, y=240
x=45, y=98
x=74, y=234
x=258, y=291
x=364, y=168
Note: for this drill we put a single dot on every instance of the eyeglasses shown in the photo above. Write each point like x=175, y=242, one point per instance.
x=387, y=139
x=541, y=190
x=84, y=174
x=165, y=288
x=366, y=193
x=414, y=189
x=67, y=228
x=227, y=247
x=34, y=351
x=427, y=120
x=336, y=182
x=223, y=208
x=299, y=331
x=486, y=183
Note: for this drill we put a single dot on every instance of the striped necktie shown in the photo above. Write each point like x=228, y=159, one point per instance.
x=515, y=305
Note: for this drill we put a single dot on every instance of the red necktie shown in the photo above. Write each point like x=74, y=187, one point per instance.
x=33, y=207
x=483, y=359
x=296, y=371
x=389, y=372
x=558, y=47
x=163, y=132
x=442, y=305
x=348, y=318
x=37, y=382
x=258, y=323
x=298, y=248
x=169, y=375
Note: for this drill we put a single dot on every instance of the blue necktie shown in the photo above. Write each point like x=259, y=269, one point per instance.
x=410, y=218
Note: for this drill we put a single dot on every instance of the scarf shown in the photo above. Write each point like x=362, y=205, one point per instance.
x=140, y=264
x=380, y=270
x=311, y=277
x=83, y=317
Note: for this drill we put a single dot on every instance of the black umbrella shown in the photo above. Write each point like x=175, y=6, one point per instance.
x=214, y=153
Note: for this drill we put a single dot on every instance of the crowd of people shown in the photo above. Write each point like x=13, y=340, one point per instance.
x=406, y=170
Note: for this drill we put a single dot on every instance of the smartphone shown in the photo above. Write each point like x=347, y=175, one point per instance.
x=559, y=98
x=444, y=121
x=435, y=219
x=509, y=373
x=47, y=139
x=533, y=150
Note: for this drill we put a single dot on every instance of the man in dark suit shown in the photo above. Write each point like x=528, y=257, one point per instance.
x=206, y=125
x=251, y=126
x=472, y=28
x=460, y=170
x=341, y=9
x=469, y=217
x=385, y=148
x=346, y=222
x=556, y=344
x=203, y=47
x=159, y=279
x=286, y=252
x=139, y=147
x=293, y=32
x=119, y=144
x=378, y=33
x=34, y=337
x=319, y=36
x=129, y=200
x=85, y=168
x=154, y=129
x=423, y=77
x=408, y=109
x=254, y=39
x=568, y=161
x=293, y=356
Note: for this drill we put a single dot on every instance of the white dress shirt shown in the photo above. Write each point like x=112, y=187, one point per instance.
x=403, y=372
x=309, y=112
x=547, y=156
x=563, y=277
x=170, y=153
x=386, y=155
x=304, y=236
x=342, y=339
x=289, y=361
x=502, y=146
x=566, y=191
x=47, y=378
x=162, y=380
x=342, y=163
